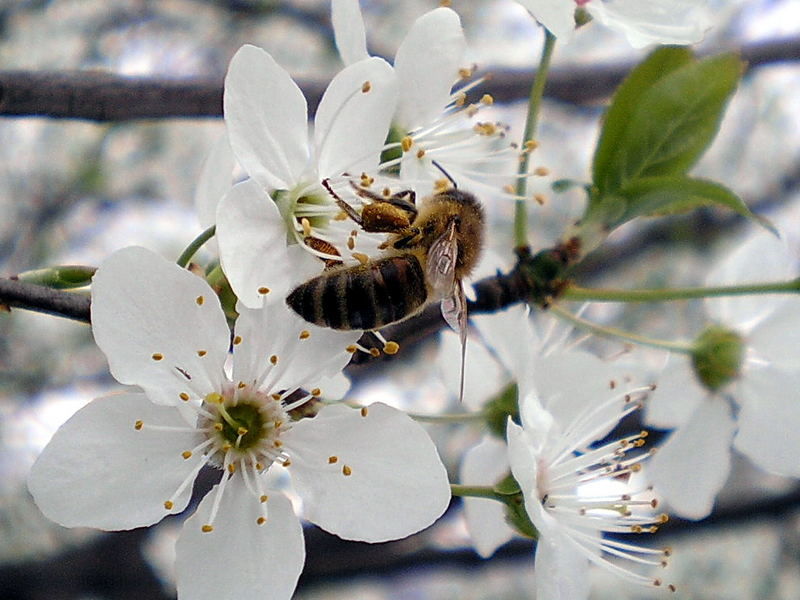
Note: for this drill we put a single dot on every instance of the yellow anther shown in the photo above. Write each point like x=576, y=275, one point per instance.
x=461, y=99
x=218, y=427
x=351, y=349
x=277, y=444
x=391, y=347
x=346, y=471
x=361, y=257
x=531, y=145
x=207, y=528
x=366, y=180
x=237, y=340
x=157, y=356
x=263, y=290
x=445, y=3
x=241, y=431
x=354, y=233
x=241, y=385
x=305, y=334
x=364, y=411
x=386, y=192
x=663, y=518
x=287, y=463
x=472, y=110
x=441, y=185
x=508, y=188
x=274, y=359
x=485, y=128
x=340, y=216
x=465, y=73
x=671, y=587
x=420, y=153
x=261, y=520
x=636, y=468
x=168, y=505
x=232, y=468
x=184, y=396
x=138, y=425
x=316, y=392
x=487, y=99
x=199, y=300
x=278, y=424
x=276, y=396
x=351, y=243
x=636, y=528
x=406, y=143
x=306, y=224
x=540, y=199
x=260, y=467
x=202, y=353
x=214, y=398
x=263, y=498
x=332, y=460
x=366, y=87
x=374, y=352
x=186, y=454
x=541, y=171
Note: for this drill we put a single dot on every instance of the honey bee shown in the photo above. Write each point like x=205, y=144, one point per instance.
x=431, y=248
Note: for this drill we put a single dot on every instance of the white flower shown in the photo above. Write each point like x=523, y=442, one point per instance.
x=432, y=122
x=642, y=22
x=573, y=491
x=757, y=408
x=128, y=460
x=266, y=119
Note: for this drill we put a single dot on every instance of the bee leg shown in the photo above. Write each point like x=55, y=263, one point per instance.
x=404, y=241
x=348, y=210
x=404, y=199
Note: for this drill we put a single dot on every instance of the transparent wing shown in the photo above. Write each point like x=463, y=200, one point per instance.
x=441, y=266
x=454, y=311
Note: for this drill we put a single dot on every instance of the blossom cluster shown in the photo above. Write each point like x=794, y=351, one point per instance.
x=252, y=391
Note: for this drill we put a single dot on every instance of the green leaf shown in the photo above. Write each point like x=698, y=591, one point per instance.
x=663, y=128
x=626, y=99
x=657, y=196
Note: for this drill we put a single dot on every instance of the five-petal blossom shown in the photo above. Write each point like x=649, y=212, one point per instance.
x=128, y=460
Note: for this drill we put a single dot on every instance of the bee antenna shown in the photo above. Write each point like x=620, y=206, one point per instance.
x=445, y=173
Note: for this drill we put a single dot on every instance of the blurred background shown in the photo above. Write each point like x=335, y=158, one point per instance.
x=74, y=190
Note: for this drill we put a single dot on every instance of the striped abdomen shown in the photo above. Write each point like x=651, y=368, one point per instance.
x=362, y=297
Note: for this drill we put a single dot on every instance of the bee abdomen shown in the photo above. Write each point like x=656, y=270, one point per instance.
x=362, y=297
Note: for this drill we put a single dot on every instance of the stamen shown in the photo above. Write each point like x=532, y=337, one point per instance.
x=263, y=290
x=199, y=300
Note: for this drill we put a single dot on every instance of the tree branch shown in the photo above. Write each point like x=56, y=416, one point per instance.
x=17, y=294
x=100, y=96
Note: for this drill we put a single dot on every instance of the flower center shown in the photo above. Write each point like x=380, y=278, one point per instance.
x=244, y=426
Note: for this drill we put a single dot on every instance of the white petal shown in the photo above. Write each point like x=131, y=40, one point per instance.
x=677, y=395
x=348, y=30
x=486, y=464
x=511, y=336
x=776, y=339
x=769, y=420
x=214, y=182
x=760, y=258
x=566, y=396
x=484, y=377
x=523, y=460
x=239, y=558
x=252, y=246
x=654, y=21
x=397, y=483
x=351, y=125
x=99, y=471
x=692, y=466
x=427, y=64
x=558, y=16
x=562, y=573
x=266, y=117
x=536, y=421
x=334, y=387
x=151, y=318
x=306, y=354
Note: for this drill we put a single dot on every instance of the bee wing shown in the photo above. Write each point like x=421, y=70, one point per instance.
x=454, y=311
x=441, y=265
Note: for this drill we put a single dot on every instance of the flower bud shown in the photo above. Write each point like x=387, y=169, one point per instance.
x=717, y=356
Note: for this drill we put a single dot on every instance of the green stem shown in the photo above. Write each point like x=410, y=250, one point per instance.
x=535, y=101
x=661, y=295
x=613, y=332
x=457, y=418
x=476, y=491
x=191, y=249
